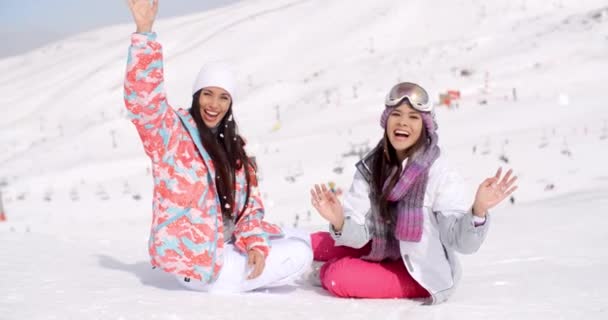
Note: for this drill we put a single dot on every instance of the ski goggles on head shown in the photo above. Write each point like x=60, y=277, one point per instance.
x=415, y=94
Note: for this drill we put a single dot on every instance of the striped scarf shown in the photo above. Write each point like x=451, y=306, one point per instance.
x=408, y=192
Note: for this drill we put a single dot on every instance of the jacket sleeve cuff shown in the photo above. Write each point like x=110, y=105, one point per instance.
x=334, y=234
x=478, y=224
x=338, y=234
x=478, y=221
x=139, y=39
x=264, y=250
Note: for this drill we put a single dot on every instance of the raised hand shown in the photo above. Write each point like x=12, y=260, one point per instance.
x=144, y=13
x=492, y=191
x=328, y=205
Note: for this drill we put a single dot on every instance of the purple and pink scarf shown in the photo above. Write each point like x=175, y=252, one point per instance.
x=408, y=192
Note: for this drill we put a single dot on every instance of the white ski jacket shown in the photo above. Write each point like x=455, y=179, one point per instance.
x=449, y=226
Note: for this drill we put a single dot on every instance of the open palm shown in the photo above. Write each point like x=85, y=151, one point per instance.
x=144, y=13
x=327, y=204
x=494, y=190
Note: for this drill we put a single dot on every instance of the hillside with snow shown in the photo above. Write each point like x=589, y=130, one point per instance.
x=533, y=75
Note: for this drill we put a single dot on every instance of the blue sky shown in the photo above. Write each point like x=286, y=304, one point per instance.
x=27, y=24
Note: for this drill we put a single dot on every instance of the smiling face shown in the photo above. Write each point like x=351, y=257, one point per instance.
x=214, y=102
x=403, y=128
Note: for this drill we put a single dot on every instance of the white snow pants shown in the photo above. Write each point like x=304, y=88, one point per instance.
x=288, y=259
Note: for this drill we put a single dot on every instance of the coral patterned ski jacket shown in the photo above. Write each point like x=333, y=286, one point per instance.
x=187, y=229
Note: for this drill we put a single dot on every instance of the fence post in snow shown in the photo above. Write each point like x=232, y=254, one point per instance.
x=250, y=81
x=2, y=212
x=113, y=134
x=486, y=83
x=277, y=125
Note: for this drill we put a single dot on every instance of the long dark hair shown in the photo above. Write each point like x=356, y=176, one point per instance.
x=385, y=162
x=226, y=149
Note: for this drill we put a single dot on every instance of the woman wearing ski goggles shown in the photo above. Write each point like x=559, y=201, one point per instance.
x=398, y=228
x=417, y=97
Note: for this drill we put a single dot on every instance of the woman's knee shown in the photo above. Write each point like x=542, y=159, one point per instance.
x=336, y=277
x=301, y=252
x=322, y=245
x=294, y=255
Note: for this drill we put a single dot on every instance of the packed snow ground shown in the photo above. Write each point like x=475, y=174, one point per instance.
x=77, y=193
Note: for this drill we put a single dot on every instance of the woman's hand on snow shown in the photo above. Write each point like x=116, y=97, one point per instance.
x=328, y=205
x=492, y=191
x=144, y=13
x=256, y=261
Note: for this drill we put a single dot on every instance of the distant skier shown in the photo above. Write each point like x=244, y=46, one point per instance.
x=208, y=212
x=396, y=233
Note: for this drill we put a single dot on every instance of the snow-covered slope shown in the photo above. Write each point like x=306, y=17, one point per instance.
x=77, y=192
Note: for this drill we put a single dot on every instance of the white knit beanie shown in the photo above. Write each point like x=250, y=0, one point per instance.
x=216, y=74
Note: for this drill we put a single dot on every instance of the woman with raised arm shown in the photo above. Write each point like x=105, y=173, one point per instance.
x=207, y=223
